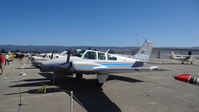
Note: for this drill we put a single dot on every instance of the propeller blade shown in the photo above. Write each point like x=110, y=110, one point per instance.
x=69, y=52
x=52, y=55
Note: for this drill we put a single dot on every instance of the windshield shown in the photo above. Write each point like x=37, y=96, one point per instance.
x=79, y=53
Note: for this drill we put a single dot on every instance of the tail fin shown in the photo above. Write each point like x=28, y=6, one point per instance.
x=173, y=56
x=145, y=51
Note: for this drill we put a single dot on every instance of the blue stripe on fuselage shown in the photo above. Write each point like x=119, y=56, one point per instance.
x=102, y=65
x=106, y=64
x=116, y=64
x=87, y=65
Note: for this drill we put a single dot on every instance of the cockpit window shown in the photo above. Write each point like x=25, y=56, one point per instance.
x=101, y=56
x=90, y=55
x=111, y=57
x=79, y=53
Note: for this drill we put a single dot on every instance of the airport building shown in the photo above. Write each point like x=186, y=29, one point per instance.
x=164, y=53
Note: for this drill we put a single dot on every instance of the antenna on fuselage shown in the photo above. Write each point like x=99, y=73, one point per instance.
x=108, y=50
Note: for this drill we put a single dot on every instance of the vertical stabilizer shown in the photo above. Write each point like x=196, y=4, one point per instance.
x=173, y=56
x=145, y=51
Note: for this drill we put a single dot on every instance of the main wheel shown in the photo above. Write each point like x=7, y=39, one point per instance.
x=99, y=84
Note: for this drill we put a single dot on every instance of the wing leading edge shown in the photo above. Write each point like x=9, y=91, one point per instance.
x=129, y=70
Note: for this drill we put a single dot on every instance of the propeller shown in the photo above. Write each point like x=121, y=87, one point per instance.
x=67, y=64
x=69, y=52
x=51, y=57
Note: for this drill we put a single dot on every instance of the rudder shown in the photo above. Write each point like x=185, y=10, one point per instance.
x=145, y=51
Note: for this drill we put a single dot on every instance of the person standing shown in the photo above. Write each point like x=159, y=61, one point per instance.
x=2, y=60
x=6, y=59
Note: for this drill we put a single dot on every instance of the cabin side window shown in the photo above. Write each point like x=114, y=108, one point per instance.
x=79, y=53
x=90, y=55
x=101, y=56
x=111, y=57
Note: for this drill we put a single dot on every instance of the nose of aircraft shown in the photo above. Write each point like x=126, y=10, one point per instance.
x=41, y=68
x=182, y=77
x=44, y=68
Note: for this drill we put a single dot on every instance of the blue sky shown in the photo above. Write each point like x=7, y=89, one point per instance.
x=172, y=23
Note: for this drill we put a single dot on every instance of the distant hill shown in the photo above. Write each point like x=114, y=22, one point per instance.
x=30, y=48
x=113, y=49
x=195, y=47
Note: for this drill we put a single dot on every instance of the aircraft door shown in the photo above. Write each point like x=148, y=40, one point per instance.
x=90, y=55
x=101, y=56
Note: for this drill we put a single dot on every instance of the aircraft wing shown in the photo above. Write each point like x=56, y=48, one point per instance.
x=195, y=56
x=188, y=56
x=129, y=70
x=106, y=70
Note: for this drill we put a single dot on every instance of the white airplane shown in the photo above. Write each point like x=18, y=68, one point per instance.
x=100, y=63
x=184, y=58
x=37, y=60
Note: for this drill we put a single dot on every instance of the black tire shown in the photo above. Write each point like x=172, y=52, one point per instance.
x=53, y=81
x=79, y=76
x=99, y=84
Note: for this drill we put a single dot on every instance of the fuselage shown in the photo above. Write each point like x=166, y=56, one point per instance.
x=88, y=60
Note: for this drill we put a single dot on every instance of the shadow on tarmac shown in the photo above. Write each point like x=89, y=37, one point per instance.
x=91, y=97
x=86, y=93
x=122, y=78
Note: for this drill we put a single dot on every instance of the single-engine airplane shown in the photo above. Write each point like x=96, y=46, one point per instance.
x=100, y=63
x=37, y=60
x=184, y=58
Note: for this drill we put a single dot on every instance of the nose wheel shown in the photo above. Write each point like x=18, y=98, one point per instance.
x=53, y=80
x=79, y=76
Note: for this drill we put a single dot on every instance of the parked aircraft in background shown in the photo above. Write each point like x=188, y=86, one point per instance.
x=38, y=59
x=100, y=63
x=184, y=58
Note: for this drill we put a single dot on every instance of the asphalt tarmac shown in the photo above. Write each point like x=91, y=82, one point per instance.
x=126, y=92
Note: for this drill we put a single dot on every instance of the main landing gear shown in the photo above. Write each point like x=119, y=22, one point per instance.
x=188, y=62
x=98, y=84
x=53, y=80
x=79, y=76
